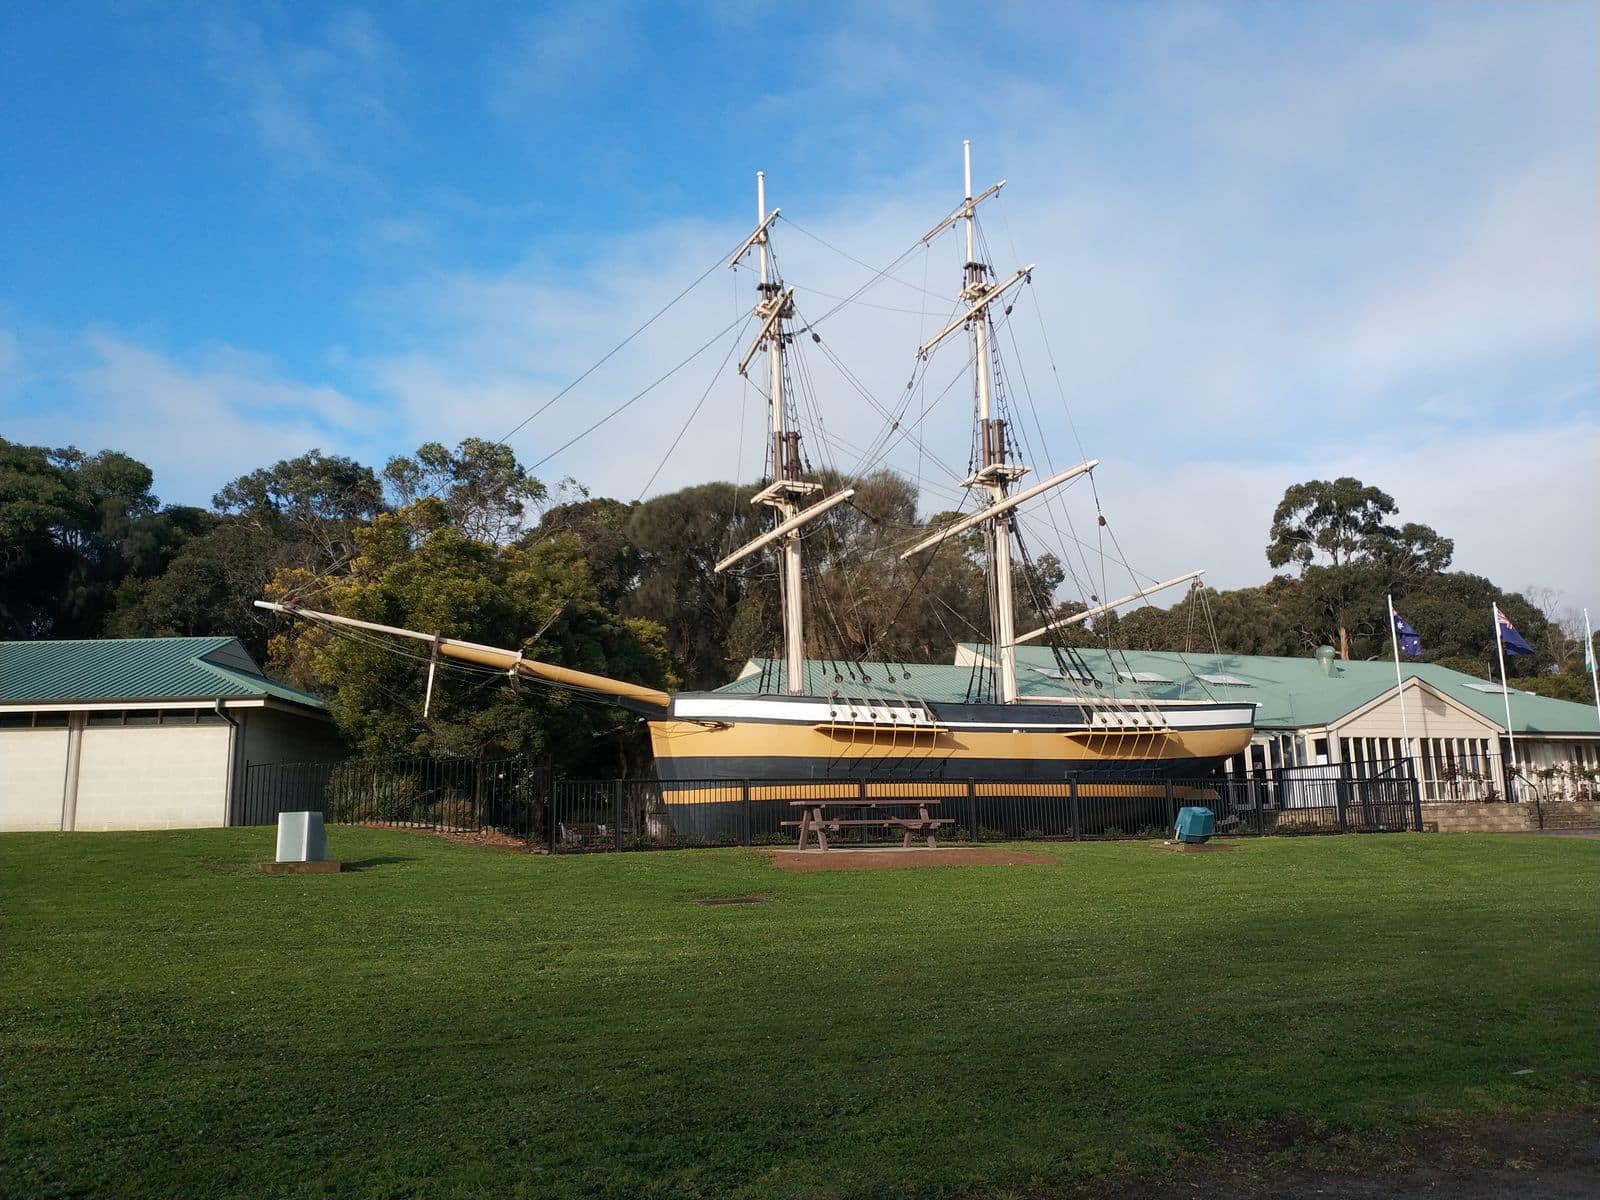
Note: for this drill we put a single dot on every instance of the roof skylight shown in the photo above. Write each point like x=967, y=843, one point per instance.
x=1055, y=673
x=1225, y=680
x=1142, y=677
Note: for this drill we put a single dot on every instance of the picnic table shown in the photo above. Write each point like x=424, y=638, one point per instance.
x=815, y=819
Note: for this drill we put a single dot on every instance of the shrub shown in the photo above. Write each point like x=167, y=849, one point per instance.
x=454, y=812
x=360, y=792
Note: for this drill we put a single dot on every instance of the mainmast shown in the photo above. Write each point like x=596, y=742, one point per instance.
x=995, y=474
x=787, y=490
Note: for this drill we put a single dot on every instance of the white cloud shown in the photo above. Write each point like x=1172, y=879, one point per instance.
x=197, y=425
x=315, y=107
x=566, y=47
x=1263, y=259
x=1519, y=504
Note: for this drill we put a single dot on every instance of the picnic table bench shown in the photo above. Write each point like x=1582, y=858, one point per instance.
x=814, y=819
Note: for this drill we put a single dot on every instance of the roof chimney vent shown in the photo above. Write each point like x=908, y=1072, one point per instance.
x=1324, y=658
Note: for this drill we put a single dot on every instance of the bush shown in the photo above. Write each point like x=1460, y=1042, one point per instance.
x=454, y=812
x=361, y=792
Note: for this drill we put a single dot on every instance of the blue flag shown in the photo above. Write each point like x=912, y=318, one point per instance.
x=1410, y=640
x=1510, y=638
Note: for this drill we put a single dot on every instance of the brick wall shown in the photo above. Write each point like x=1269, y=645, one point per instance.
x=1510, y=818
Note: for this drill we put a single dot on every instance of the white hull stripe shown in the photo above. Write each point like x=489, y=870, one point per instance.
x=806, y=711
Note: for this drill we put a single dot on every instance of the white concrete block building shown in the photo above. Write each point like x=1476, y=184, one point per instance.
x=143, y=733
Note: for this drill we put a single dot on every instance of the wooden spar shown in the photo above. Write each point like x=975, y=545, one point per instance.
x=785, y=527
x=1005, y=505
x=494, y=656
x=767, y=327
x=963, y=211
x=978, y=306
x=1099, y=610
x=433, y=665
x=744, y=247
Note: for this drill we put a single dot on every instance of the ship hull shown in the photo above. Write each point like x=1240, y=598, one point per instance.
x=788, y=748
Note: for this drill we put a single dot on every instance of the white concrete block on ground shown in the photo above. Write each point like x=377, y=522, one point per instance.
x=302, y=837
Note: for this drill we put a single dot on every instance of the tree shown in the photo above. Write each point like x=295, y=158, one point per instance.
x=484, y=489
x=601, y=529
x=416, y=569
x=316, y=492
x=73, y=528
x=679, y=538
x=1337, y=533
x=209, y=588
x=300, y=513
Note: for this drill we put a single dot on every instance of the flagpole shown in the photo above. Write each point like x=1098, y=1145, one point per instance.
x=1399, y=685
x=1505, y=689
x=1589, y=657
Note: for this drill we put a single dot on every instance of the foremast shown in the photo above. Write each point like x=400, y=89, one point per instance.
x=787, y=493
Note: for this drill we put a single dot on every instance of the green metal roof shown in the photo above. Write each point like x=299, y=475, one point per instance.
x=180, y=668
x=1290, y=693
x=928, y=681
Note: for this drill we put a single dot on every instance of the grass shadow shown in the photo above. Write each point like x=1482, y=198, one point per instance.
x=366, y=864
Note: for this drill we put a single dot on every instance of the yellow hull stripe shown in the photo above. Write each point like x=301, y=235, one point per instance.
x=689, y=739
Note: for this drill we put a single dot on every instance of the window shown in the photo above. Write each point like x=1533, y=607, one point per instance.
x=49, y=720
x=113, y=717
x=142, y=716
x=16, y=720
x=1481, y=686
x=1142, y=677
x=178, y=716
x=1225, y=680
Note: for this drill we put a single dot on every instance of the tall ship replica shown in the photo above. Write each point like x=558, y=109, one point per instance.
x=832, y=721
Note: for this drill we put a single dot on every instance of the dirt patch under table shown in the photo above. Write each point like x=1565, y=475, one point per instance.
x=890, y=860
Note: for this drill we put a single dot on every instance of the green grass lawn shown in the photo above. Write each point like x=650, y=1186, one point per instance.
x=460, y=1021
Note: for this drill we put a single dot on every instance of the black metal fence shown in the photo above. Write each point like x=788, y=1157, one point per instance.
x=452, y=795
x=644, y=814
x=518, y=797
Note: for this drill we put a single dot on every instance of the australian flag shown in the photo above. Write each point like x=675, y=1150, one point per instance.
x=1510, y=638
x=1410, y=640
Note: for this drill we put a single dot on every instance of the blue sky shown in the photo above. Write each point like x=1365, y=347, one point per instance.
x=1275, y=242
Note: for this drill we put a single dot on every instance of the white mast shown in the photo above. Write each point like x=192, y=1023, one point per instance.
x=994, y=473
x=786, y=490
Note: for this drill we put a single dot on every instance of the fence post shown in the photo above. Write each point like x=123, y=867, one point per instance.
x=1416, y=793
x=1341, y=793
x=744, y=813
x=1077, y=824
x=616, y=814
x=972, y=808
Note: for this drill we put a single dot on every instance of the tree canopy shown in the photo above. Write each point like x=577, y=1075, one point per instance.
x=1338, y=534
x=467, y=542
